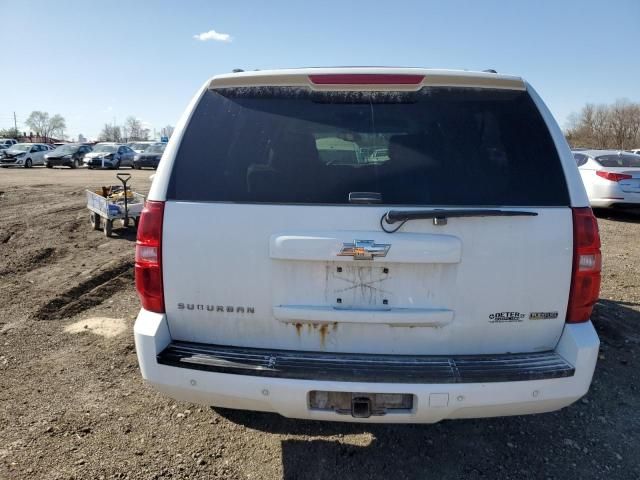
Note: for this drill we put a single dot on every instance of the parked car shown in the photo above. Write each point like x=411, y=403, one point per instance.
x=8, y=142
x=68, y=155
x=635, y=150
x=611, y=177
x=452, y=280
x=5, y=144
x=24, y=155
x=140, y=147
x=150, y=157
x=109, y=155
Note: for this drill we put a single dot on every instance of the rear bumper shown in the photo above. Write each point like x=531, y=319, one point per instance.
x=611, y=195
x=363, y=368
x=433, y=401
x=619, y=202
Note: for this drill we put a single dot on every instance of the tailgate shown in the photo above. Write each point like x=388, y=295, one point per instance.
x=474, y=285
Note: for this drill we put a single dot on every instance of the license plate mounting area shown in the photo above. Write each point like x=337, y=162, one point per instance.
x=361, y=404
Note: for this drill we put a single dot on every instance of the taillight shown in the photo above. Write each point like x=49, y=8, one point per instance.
x=587, y=262
x=366, y=79
x=614, y=177
x=149, y=257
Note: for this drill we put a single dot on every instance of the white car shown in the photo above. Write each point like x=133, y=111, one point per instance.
x=7, y=142
x=109, y=155
x=449, y=280
x=25, y=155
x=635, y=150
x=611, y=177
x=140, y=146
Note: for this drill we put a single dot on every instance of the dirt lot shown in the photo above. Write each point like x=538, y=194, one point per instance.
x=73, y=405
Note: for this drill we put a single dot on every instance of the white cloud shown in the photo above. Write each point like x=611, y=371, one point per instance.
x=213, y=35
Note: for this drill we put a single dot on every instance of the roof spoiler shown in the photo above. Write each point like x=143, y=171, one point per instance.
x=367, y=79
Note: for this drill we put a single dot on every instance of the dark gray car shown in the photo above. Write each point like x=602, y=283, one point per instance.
x=70, y=155
x=150, y=157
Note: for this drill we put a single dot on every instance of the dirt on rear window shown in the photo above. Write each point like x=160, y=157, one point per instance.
x=438, y=146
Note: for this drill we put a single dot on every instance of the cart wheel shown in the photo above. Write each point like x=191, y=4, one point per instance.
x=108, y=227
x=94, y=218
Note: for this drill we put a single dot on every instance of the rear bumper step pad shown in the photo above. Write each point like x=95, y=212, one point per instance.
x=344, y=367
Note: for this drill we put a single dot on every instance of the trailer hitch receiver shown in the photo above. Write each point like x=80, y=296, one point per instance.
x=361, y=407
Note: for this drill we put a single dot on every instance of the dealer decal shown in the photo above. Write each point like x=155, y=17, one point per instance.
x=543, y=315
x=505, y=317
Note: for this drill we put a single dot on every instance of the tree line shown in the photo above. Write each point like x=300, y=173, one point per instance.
x=48, y=127
x=132, y=130
x=41, y=124
x=615, y=126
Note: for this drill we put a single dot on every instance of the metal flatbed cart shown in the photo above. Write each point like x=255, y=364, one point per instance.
x=114, y=203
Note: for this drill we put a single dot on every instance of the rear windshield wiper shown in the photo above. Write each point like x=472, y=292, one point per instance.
x=440, y=216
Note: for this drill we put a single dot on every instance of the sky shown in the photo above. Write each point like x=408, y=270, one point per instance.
x=100, y=62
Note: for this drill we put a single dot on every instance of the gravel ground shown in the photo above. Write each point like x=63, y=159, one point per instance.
x=73, y=404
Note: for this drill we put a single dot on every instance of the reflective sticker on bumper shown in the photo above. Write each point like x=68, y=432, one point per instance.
x=543, y=315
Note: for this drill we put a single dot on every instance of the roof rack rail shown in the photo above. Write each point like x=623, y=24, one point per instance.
x=237, y=70
x=490, y=70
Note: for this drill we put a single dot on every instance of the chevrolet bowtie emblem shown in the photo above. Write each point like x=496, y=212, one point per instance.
x=364, y=249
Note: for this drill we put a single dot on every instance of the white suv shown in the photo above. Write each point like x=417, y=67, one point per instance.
x=453, y=277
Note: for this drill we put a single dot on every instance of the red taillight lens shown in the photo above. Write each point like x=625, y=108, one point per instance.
x=149, y=257
x=614, y=177
x=366, y=79
x=587, y=262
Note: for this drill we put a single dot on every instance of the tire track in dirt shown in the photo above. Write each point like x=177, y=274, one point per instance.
x=89, y=293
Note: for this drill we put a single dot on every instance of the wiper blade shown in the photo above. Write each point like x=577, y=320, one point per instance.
x=440, y=216
x=394, y=216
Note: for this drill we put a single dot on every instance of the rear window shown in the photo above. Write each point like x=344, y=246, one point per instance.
x=621, y=160
x=438, y=146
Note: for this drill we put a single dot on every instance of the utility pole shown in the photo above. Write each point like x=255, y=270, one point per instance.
x=15, y=124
